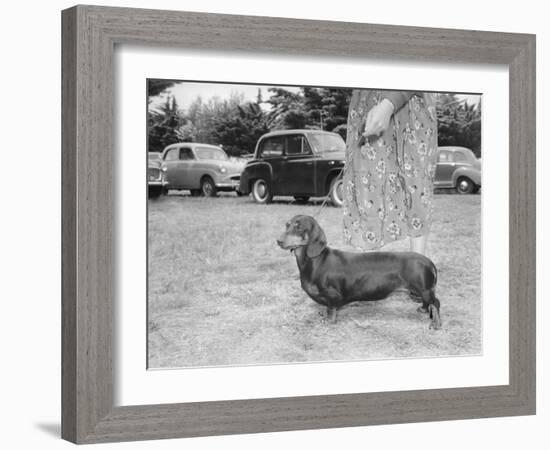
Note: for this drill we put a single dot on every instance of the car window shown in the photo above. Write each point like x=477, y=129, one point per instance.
x=272, y=146
x=172, y=155
x=297, y=145
x=211, y=153
x=326, y=142
x=460, y=157
x=186, y=154
x=444, y=157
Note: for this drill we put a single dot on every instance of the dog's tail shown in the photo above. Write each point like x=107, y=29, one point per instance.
x=434, y=268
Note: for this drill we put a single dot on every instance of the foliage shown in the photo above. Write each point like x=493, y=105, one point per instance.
x=236, y=124
x=157, y=87
x=314, y=108
x=239, y=130
x=163, y=125
x=459, y=123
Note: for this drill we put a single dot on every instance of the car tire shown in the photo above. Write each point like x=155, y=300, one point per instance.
x=336, y=191
x=261, y=191
x=465, y=186
x=154, y=192
x=208, y=188
x=301, y=198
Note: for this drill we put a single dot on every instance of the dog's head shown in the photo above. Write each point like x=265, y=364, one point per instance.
x=303, y=231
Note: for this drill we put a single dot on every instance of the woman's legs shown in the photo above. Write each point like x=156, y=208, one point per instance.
x=418, y=244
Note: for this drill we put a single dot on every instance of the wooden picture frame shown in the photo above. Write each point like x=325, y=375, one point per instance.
x=90, y=34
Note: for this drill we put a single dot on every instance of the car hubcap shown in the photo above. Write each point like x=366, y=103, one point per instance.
x=338, y=192
x=463, y=186
x=261, y=190
x=207, y=188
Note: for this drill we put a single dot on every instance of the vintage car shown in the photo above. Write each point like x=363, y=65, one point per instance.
x=458, y=168
x=298, y=163
x=202, y=169
x=156, y=182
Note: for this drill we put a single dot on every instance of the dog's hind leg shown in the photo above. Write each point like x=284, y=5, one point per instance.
x=432, y=306
x=332, y=314
x=424, y=308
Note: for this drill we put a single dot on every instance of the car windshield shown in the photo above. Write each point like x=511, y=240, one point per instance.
x=324, y=143
x=211, y=153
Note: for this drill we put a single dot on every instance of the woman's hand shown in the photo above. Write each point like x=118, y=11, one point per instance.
x=378, y=118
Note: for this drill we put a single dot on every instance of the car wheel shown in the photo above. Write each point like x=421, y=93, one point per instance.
x=208, y=188
x=465, y=186
x=261, y=192
x=336, y=191
x=301, y=198
x=154, y=192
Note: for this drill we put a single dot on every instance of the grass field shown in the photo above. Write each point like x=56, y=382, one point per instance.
x=221, y=292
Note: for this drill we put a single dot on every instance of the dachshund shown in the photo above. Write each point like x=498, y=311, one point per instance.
x=334, y=278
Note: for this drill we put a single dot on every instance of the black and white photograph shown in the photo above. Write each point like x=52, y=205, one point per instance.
x=301, y=224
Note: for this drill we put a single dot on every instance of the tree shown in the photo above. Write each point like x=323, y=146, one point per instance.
x=311, y=107
x=335, y=107
x=163, y=124
x=157, y=87
x=458, y=123
x=239, y=130
x=287, y=109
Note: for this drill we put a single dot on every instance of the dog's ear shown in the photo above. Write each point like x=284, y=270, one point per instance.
x=317, y=240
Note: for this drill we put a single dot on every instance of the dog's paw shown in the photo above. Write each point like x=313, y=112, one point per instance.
x=422, y=310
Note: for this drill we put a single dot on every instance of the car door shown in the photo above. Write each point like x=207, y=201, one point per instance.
x=171, y=159
x=298, y=166
x=271, y=151
x=186, y=169
x=444, y=170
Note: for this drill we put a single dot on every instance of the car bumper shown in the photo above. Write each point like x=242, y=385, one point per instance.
x=157, y=183
x=230, y=183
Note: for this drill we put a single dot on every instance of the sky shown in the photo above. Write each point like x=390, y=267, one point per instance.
x=185, y=93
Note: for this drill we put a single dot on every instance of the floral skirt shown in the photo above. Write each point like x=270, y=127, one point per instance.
x=388, y=180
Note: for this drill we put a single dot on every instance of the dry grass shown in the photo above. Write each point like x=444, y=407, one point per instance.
x=222, y=293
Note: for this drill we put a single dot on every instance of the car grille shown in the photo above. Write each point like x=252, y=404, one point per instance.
x=235, y=177
x=154, y=174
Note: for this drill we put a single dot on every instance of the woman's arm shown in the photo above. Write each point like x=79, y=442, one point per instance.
x=378, y=118
x=398, y=98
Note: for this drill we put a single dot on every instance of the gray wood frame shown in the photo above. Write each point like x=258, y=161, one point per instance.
x=89, y=36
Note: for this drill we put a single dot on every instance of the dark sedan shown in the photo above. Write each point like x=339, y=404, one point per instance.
x=298, y=163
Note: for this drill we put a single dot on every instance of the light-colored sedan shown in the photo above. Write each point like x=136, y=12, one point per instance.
x=203, y=169
x=156, y=181
x=458, y=168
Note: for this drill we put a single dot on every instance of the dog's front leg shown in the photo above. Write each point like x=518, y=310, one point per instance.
x=332, y=313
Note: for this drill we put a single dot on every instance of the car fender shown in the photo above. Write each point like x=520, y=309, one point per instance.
x=252, y=171
x=470, y=172
x=207, y=171
x=328, y=178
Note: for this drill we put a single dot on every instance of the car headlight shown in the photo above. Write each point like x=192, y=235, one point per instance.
x=163, y=168
x=223, y=169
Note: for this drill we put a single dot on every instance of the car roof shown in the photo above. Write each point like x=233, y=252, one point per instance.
x=297, y=130
x=190, y=144
x=454, y=148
